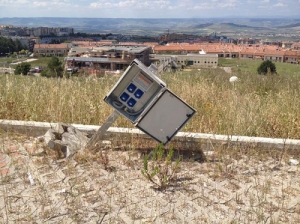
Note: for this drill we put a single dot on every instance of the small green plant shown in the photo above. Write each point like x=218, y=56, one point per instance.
x=266, y=67
x=160, y=169
x=22, y=68
x=55, y=68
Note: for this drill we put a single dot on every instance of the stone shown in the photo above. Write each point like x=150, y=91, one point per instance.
x=293, y=162
x=60, y=128
x=66, y=139
x=105, y=144
x=49, y=137
x=293, y=169
x=73, y=143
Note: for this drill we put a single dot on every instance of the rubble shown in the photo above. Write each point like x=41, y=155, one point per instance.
x=66, y=139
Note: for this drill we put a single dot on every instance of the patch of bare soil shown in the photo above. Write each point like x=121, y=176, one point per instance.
x=106, y=186
x=227, y=69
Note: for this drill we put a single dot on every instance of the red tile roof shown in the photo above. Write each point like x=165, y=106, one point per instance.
x=51, y=46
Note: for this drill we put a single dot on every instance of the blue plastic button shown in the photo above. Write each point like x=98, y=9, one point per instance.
x=124, y=97
x=131, y=102
x=131, y=88
x=138, y=94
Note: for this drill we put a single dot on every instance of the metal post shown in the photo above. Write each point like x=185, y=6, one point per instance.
x=92, y=143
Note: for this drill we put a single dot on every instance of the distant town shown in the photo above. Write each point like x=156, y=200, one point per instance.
x=114, y=51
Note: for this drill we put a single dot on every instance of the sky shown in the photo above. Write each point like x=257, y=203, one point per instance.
x=149, y=8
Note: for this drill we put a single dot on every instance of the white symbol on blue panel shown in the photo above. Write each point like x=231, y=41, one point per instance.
x=124, y=97
x=138, y=94
x=131, y=102
x=131, y=88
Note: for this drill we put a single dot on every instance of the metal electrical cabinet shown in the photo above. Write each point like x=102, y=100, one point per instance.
x=165, y=117
x=134, y=90
x=143, y=98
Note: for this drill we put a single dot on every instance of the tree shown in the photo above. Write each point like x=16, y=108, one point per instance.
x=266, y=67
x=7, y=46
x=22, y=68
x=55, y=68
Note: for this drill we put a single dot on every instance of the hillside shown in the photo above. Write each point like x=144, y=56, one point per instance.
x=153, y=27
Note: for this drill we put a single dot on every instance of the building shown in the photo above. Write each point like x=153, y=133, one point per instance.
x=27, y=42
x=195, y=60
x=49, y=50
x=228, y=50
x=49, y=31
x=292, y=57
x=107, y=57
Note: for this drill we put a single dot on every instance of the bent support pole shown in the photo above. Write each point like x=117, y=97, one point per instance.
x=98, y=136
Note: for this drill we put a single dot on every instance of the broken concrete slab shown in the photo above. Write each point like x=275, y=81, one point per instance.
x=66, y=139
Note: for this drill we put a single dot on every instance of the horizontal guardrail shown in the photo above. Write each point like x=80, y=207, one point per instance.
x=204, y=141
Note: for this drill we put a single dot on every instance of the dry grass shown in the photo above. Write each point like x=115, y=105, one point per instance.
x=266, y=106
x=230, y=185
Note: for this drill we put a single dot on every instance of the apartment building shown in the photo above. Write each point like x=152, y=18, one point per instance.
x=28, y=42
x=49, y=50
x=227, y=50
x=195, y=60
x=45, y=31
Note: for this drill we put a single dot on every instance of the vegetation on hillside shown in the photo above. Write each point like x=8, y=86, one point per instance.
x=255, y=106
x=54, y=68
x=266, y=67
x=22, y=68
x=9, y=46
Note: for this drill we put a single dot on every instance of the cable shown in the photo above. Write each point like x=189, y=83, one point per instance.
x=121, y=106
x=135, y=113
x=118, y=104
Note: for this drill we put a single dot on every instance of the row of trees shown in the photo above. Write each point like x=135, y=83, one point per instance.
x=9, y=46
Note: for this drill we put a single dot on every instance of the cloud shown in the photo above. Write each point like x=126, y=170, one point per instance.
x=217, y=4
x=26, y=3
x=12, y=2
x=132, y=4
x=145, y=8
x=40, y=4
x=279, y=4
x=55, y=3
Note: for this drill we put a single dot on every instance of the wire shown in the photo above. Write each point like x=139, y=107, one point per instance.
x=135, y=113
x=118, y=104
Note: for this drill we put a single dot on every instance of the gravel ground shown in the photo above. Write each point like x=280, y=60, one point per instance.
x=231, y=186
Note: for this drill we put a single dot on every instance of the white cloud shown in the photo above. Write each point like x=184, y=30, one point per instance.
x=279, y=4
x=161, y=4
x=55, y=3
x=40, y=4
x=217, y=4
x=145, y=8
x=12, y=2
